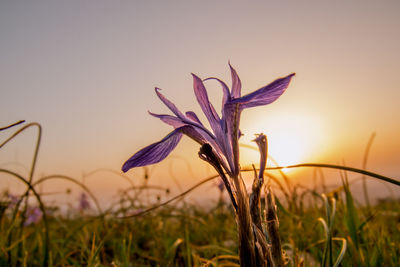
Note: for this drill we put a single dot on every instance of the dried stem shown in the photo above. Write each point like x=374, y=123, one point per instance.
x=206, y=153
x=273, y=228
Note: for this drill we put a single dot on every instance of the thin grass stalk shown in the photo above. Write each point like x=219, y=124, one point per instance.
x=384, y=183
x=187, y=242
x=328, y=225
x=351, y=213
x=33, y=165
x=11, y=125
x=322, y=176
x=315, y=180
x=326, y=230
x=72, y=232
x=125, y=177
x=329, y=233
x=342, y=250
x=331, y=220
x=67, y=178
x=322, y=180
x=171, y=199
x=333, y=166
x=290, y=188
x=353, y=224
x=39, y=137
x=364, y=166
x=46, y=248
x=279, y=184
x=95, y=252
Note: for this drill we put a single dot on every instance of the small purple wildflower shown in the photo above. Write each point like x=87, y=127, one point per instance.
x=13, y=200
x=34, y=215
x=220, y=185
x=84, y=203
x=225, y=129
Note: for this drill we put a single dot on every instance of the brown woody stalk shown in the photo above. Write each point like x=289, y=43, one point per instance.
x=254, y=249
x=273, y=228
x=263, y=254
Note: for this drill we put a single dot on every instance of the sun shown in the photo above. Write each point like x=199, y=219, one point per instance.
x=292, y=139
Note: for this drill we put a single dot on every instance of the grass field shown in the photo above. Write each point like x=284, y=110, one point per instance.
x=317, y=227
x=181, y=234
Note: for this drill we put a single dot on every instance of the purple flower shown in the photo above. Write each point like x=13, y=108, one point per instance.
x=13, y=200
x=34, y=215
x=224, y=134
x=220, y=185
x=83, y=202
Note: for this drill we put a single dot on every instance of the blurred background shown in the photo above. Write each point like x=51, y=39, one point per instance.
x=86, y=71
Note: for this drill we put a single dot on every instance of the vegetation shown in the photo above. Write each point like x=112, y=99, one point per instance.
x=184, y=235
x=316, y=228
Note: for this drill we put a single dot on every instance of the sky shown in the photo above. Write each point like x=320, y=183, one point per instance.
x=86, y=71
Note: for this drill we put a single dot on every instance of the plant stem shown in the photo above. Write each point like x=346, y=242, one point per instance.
x=345, y=168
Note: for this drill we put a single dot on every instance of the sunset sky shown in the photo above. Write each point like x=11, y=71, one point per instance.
x=86, y=71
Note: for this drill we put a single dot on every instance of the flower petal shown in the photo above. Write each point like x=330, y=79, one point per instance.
x=204, y=102
x=216, y=123
x=236, y=83
x=169, y=104
x=201, y=137
x=266, y=94
x=200, y=133
x=232, y=120
x=196, y=134
x=225, y=89
x=154, y=153
x=170, y=120
x=191, y=115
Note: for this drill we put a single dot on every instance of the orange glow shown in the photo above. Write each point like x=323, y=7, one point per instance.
x=292, y=139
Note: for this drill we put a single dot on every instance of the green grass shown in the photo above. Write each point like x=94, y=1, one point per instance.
x=184, y=235
x=328, y=229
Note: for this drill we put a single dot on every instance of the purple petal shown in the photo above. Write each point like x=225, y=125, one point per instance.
x=204, y=102
x=154, y=153
x=169, y=104
x=192, y=120
x=195, y=134
x=202, y=138
x=225, y=89
x=191, y=115
x=236, y=84
x=212, y=116
x=232, y=120
x=199, y=135
x=170, y=120
x=266, y=94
